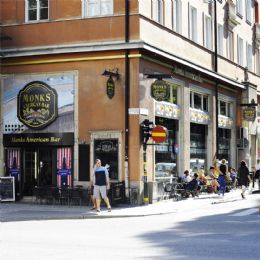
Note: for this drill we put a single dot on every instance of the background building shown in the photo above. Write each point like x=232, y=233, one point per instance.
x=96, y=56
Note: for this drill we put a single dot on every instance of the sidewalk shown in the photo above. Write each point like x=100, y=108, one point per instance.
x=27, y=211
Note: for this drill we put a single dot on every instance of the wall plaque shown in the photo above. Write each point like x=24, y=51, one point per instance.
x=160, y=90
x=110, y=87
x=249, y=113
x=37, y=105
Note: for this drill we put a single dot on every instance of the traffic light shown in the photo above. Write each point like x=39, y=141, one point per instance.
x=146, y=130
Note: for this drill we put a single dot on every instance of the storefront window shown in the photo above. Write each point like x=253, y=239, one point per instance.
x=107, y=151
x=224, y=136
x=166, y=153
x=198, y=101
x=225, y=108
x=197, y=147
x=173, y=94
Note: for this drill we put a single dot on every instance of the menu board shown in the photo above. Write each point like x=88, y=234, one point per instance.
x=7, y=190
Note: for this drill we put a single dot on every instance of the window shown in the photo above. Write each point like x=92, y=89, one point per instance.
x=177, y=16
x=248, y=11
x=199, y=101
x=225, y=108
x=230, y=49
x=249, y=56
x=158, y=11
x=193, y=24
x=208, y=32
x=91, y=8
x=36, y=10
x=257, y=61
x=240, y=51
x=239, y=8
x=220, y=39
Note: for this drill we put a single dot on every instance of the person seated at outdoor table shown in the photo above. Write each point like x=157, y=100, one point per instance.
x=212, y=179
x=186, y=178
x=193, y=185
x=202, y=178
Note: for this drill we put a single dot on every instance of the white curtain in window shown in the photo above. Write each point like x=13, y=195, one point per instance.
x=240, y=51
x=239, y=7
x=208, y=32
x=249, y=56
x=249, y=11
x=220, y=39
x=193, y=24
x=99, y=7
x=257, y=61
x=177, y=15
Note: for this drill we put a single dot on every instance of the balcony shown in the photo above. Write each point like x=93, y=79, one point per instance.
x=232, y=17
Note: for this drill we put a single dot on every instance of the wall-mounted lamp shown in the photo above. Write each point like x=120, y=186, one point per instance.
x=111, y=73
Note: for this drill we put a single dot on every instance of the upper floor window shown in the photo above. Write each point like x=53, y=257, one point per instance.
x=240, y=51
x=230, y=46
x=249, y=53
x=220, y=39
x=177, y=15
x=92, y=8
x=208, y=32
x=239, y=8
x=225, y=108
x=249, y=11
x=199, y=101
x=37, y=10
x=257, y=61
x=193, y=33
x=158, y=11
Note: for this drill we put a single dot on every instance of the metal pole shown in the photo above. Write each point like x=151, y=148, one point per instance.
x=146, y=199
x=216, y=70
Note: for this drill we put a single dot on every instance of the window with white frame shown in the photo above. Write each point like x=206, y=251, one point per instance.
x=240, y=51
x=193, y=24
x=199, y=101
x=36, y=10
x=239, y=7
x=249, y=54
x=92, y=8
x=257, y=61
x=220, y=39
x=230, y=47
x=158, y=11
x=208, y=32
x=225, y=108
x=249, y=11
x=177, y=15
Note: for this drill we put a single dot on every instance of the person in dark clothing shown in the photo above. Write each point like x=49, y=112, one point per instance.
x=193, y=186
x=243, y=177
x=221, y=178
x=101, y=185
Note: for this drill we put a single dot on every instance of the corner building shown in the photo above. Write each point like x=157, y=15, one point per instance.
x=75, y=86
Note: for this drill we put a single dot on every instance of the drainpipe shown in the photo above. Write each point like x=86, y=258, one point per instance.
x=127, y=95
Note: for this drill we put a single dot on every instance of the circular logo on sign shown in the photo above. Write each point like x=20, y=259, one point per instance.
x=37, y=105
x=160, y=90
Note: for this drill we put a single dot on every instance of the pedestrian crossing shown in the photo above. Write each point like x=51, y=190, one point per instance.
x=246, y=212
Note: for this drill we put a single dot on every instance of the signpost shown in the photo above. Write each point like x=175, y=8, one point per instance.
x=159, y=134
x=7, y=190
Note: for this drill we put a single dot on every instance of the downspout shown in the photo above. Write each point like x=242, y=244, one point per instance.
x=127, y=83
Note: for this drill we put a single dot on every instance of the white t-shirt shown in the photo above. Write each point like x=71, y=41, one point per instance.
x=257, y=166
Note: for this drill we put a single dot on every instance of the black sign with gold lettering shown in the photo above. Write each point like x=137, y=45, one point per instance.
x=37, y=105
x=38, y=139
x=160, y=90
x=249, y=113
x=110, y=87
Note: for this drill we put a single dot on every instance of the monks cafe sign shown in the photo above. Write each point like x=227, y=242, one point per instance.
x=160, y=90
x=37, y=105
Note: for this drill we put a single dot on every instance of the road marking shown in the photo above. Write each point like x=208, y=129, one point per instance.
x=245, y=212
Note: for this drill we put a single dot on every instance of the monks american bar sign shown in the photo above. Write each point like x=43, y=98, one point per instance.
x=37, y=105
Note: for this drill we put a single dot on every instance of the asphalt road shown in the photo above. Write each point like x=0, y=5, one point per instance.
x=197, y=229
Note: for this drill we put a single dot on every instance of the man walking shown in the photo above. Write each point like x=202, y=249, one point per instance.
x=243, y=177
x=101, y=185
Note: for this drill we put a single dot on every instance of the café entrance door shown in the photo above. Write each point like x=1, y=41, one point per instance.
x=39, y=166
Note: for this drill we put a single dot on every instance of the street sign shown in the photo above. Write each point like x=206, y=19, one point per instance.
x=159, y=133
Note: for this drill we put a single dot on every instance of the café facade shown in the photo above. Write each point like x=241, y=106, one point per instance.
x=57, y=121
